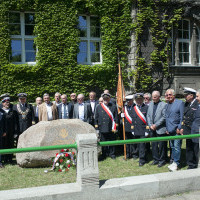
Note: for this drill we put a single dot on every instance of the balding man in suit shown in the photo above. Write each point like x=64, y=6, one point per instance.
x=157, y=125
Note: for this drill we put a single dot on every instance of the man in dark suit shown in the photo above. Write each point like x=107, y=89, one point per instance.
x=65, y=110
x=82, y=110
x=93, y=103
x=174, y=117
x=192, y=145
x=140, y=128
x=2, y=132
x=38, y=102
x=105, y=123
x=12, y=127
x=157, y=125
x=24, y=112
x=195, y=130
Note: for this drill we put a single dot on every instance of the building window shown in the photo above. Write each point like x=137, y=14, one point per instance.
x=184, y=42
x=90, y=45
x=22, y=39
x=197, y=44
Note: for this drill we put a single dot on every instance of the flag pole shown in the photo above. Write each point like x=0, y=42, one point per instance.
x=120, y=100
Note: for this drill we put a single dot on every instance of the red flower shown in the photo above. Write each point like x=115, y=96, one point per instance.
x=69, y=166
x=66, y=170
x=60, y=170
x=62, y=150
x=73, y=153
x=61, y=160
x=66, y=155
x=56, y=154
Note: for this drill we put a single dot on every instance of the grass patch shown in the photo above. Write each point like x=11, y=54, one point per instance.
x=13, y=177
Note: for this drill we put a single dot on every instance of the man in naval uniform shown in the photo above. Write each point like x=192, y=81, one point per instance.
x=139, y=123
x=192, y=145
x=131, y=149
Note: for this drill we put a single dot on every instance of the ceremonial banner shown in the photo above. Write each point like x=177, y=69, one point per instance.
x=120, y=91
x=120, y=102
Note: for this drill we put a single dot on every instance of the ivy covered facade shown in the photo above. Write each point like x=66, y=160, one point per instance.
x=75, y=46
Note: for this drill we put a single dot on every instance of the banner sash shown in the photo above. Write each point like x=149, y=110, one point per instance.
x=109, y=113
x=140, y=115
x=127, y=116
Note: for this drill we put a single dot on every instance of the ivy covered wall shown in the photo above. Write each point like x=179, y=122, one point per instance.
x=57, y=42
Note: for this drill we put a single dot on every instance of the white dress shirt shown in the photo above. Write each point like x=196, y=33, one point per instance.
x=81, y=111
x=49, y=112
x=92, y=103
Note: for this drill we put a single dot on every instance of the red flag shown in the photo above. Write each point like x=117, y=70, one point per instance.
x=120, y=91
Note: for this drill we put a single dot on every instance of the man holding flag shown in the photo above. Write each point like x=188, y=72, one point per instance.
x=131, y=149
x=106, y=124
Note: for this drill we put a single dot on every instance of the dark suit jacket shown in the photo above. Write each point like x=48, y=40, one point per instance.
x=96, y=103
x=24, y=123
x=70, y=111
x=12, y=127
x=188, y=116
x=36, y=119
x=2, y=125
x=138, y=124
x=92, y=115
x=102, y=121
x=175, y=116
x=159, y=118
x=127, y=124
x=87, y=112
x=196, y=124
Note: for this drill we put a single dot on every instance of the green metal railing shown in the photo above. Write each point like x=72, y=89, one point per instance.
x=107, y=143
x=44, y=148
x=145, y=140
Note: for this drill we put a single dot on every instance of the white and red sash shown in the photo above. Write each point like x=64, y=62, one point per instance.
x=128, y=117
x=140, y=115
x=109, y=113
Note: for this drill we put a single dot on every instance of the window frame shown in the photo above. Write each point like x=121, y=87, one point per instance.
x=187, y=41
x=23, y=37
x=89, y=39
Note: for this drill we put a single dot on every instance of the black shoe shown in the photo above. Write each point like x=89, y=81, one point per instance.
x=135, y=157
x=161, y=164
x=141, y=164
x=101, y=158
x=154, y=162
x=1, y=165
x=113, y=157
x=191, y=167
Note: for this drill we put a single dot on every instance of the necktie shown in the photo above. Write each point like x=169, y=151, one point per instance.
x=65, y=116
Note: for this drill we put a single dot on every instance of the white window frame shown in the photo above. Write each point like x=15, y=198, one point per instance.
x=89, y=39
x=188, y=41
x=198, y=41
x=23, y=37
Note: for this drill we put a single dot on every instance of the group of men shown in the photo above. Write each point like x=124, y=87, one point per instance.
x=160, y=119
x=142, y=118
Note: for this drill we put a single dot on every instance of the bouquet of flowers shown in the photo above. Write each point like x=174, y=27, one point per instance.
x=63, y=161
